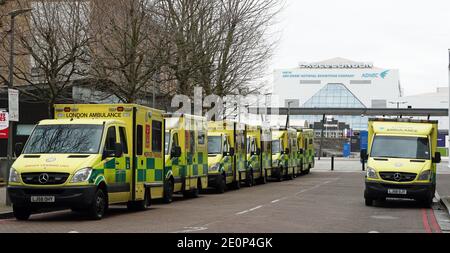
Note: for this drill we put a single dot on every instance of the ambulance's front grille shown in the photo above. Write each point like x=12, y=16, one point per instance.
x=398, y=176
x=43, y=178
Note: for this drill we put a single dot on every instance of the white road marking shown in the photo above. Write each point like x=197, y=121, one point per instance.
x=249, y=210
x=191, y=229
x=315, y=187
x=73, y=232
x=383, y=217
x=255, y=208
x=374, y=232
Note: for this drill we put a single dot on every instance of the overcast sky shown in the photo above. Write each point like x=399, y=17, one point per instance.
x=412, y=36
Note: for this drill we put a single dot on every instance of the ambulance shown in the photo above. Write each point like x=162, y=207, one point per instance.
x=227, y=156
x=90, y=157
x=306, y=151
x=266, y=150
x=257, y=173
x=284, y=153
x=401, y=160
x=186, y=155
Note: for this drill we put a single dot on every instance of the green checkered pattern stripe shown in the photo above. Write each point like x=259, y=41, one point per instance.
x=241, y=161
x=227, y=165
x=198, y=168
x=149, y=170
x=110, y=171
x=266, y=160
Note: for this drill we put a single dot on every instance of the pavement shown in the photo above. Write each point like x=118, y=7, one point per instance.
x=324, y=201
x=5, y=211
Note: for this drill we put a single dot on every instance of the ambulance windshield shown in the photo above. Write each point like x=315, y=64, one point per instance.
x=401, y=147
x=65, y=139
x=214, y=145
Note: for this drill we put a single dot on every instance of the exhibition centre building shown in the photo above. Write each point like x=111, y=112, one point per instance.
x=337, y=83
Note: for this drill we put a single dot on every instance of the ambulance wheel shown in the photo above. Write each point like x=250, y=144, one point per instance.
x=97, y=209
x=280, y=175
x=250, y=180
x=192, y=193
x=308, y=170
x=236, y=185
x=368, y=201
x=142, y=204
x=21, y=213
x=221, y=184
x=168, y=191
x=427, y=201
x=263, y=178
x=290, y=176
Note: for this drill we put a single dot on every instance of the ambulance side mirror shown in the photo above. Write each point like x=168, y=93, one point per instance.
x=232, y=152
x=18, y=149
x=176, y=152
x=364, y=155
x=287, y=151
x=437, y=158
x=300, y=152
x=117, y=152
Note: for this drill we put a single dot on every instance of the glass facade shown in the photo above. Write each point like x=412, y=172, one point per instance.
x=335, y=95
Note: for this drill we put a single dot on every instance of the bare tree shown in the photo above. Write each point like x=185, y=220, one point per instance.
x=56, y=39
x=126, y=53
x=189, y=25
x=245, y=48
x=221, y=45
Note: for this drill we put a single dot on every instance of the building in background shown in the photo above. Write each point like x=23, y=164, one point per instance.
x=437, y=99
x=338, y=83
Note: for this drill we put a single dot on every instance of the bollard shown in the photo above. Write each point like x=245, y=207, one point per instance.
x=363, y=166
x=332, y=163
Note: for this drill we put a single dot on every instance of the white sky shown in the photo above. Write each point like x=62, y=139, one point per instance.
x=412, y=36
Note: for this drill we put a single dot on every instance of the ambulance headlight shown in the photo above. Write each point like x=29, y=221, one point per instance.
x=81, y=175
x=14, y=176
x=372, y=173
x=215, y=167
x=425, y=176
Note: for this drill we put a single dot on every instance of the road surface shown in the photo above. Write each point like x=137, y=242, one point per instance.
x=323, y=201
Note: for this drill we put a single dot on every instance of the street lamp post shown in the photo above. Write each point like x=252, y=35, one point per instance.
x=13, y=15
x=288, y=114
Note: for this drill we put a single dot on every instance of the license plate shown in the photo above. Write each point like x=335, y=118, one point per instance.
x=397, y=191
x=42, y=199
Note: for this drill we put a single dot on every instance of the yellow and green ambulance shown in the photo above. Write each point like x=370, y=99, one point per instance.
x=306, y=151
x=186, y=155
x=284, y=153
x=227, y=163
x=256, y=172
x=266, y=150
x=401, y=160
x=90, y=157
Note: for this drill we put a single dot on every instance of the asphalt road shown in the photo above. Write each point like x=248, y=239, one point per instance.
x=322, y=201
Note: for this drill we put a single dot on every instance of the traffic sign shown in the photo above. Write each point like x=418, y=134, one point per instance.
x=13, y=105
